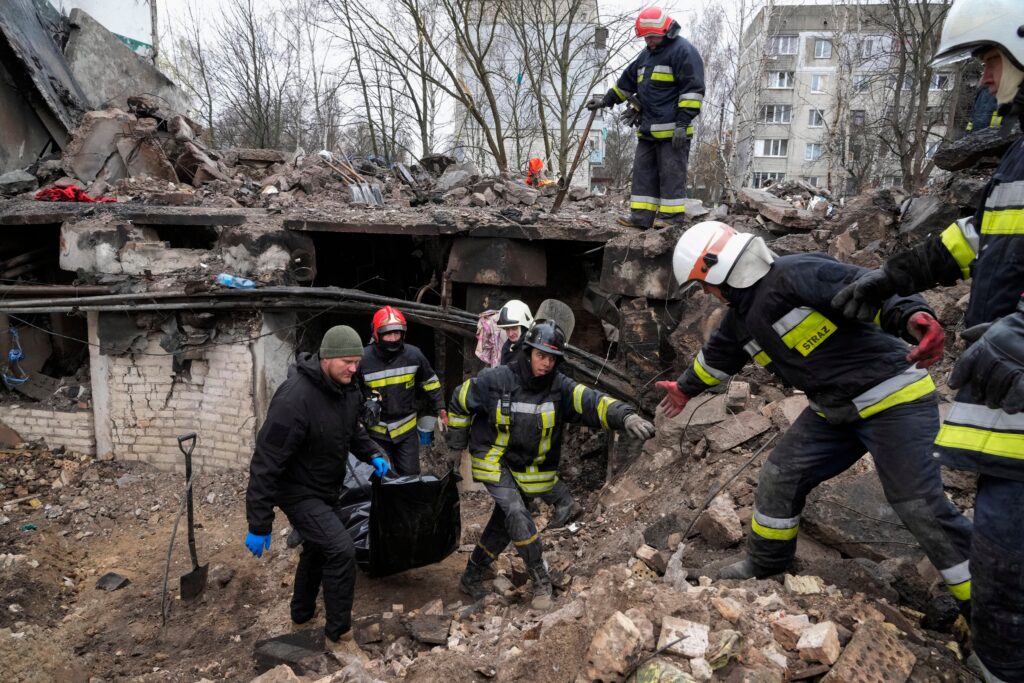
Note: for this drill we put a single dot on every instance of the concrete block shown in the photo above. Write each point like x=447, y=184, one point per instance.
x=719, y=524
x=736, y=430
x=614, y=649
x=874, y=655
x=820, y=643
x=787, y=629
x=695, y=637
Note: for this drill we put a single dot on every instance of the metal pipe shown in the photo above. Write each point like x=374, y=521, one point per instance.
x=24, y=268
x=60, y=290
x=25, y=258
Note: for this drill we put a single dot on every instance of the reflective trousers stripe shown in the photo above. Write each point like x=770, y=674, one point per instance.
x=958, y=580
x=662, y=208
x=903, y=388
x=775, y=528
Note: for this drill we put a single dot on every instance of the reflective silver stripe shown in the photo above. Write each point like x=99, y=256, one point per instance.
x=652, y=22
x=663, y=126
x=1006, y=195
x=717, y=374
x=673, y=202
x=970, y=233
x=645, y=200
x=983, y=417
x=391, y=372
x=391, y=426
x=662, y=69
x=889, y=386
x=791, y=320
x=957, y=574
x=776, y=522
x=533, y=408
x=752, y=348
x=692, y=96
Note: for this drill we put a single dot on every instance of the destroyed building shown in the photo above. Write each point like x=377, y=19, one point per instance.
x=118, y=339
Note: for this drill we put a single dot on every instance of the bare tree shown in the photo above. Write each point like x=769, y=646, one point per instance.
x=189, y=63
x=619, y=147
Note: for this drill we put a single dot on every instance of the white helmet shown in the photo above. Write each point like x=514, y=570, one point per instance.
x=714, y=253
x=974, y=24
x=515, y=314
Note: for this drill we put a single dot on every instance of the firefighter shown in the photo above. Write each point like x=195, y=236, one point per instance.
x=668, y=81
x=515, y=318
x=397, y=371
x=535, y=175
x=511, y=418
x=866, y=392
x=299, y=465
x=984, y=430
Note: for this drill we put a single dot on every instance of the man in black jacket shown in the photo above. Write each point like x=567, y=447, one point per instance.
x=299, y=465
x=868, y=391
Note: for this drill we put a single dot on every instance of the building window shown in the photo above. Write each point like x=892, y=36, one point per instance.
x=861, y=82
x=940, y=82
x=776, y=147
x=813, y=151
x=858, y=117
x=892, y=181
x=822, y=48
x=908, y=82
x=780, y=79
x=815, y=118
x=869, y=46
x=782, y=45
x=812, y=180
x=818, y=82
x=764, y=178
x=776, y=113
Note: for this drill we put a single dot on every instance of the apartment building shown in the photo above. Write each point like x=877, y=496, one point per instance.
x=821, y=85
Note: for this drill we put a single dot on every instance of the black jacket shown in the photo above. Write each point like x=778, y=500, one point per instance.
x=507, y=417
x=849, y=369
x=507, y=352
x=302, y=449
x=669, y=82
x=398, y=377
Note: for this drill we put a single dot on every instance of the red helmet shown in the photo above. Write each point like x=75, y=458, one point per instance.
x=388, y=319
x=654, y=21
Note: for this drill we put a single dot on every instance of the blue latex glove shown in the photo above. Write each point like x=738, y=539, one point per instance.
x=380, y=466
x=257, y=544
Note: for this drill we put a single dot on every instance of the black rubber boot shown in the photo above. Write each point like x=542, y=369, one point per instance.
x=744, y=569
x=564, y=514
x=472, y=581
x=543, y=592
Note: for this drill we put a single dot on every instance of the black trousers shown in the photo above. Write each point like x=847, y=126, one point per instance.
x=404, y=453
x=659, y=182
x=510, y=521
x=328, y=559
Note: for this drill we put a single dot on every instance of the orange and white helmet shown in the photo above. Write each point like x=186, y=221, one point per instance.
x=655, y=21
x=714, y=253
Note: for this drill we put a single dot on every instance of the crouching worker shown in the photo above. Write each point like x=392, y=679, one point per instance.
x=511, y=418
x=299, y=465
x=868, y=391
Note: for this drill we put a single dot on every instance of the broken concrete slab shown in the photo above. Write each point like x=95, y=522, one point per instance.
x=981, y=148
x=784, y=412
x=16, y=182
x=787, y=629
x=874, y=655
x=614, y=649
x=640, y=264
x=108, y=71
x=498, y=262
x=92, y=150
x=926, y=215
x=777, y=210
x=736, y=430
x=145, y=157
x=302, y=651
x=697, y=417
x=431, y=629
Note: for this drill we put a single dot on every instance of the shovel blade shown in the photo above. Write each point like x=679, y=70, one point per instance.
x=194, y=583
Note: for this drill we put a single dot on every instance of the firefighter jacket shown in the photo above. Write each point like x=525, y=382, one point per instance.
x=669, y=82
x=507, y=417
x=398, y=376
x=302, y=448
x=849, y=369
x=988, y=248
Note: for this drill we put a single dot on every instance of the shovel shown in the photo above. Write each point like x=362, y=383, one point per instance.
x=372, y=194
x=194, y=583
x=563, y=182
x=354, y=188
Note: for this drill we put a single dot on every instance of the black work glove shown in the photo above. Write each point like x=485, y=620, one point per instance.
x=679, y=138
x=631, y=117
x=994, y=364
x=609, y=99
x=862, y=298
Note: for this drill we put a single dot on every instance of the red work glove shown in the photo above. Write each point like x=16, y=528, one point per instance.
x=442, y=416
x=931, y=340
x=675, y=400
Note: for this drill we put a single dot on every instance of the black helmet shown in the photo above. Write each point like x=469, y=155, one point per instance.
x=547, y=337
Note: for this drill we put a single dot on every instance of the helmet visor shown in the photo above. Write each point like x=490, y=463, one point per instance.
x=954, y=56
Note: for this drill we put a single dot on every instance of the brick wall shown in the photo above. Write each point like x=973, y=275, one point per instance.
x=73, y=430
x=149, y=406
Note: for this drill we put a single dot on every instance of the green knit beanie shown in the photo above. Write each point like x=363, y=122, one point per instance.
x=341, y=341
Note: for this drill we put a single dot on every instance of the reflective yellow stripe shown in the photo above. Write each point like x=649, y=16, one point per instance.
x=810, y=333
x=458, y=420
x=953, y=239
x=689, y=130
x=691, y=104
x=668, y=78
x=409, y=379
x=527, y=541
x=911, y=392
x=380, y=429
x=486, y=551
x=996, y=120
x=1001, y=444
x=878, y=318
x=704, y=375
x=661, y=134
x=644, y=206
x=463, y=394
x=432, y=385
x=672, y=209
x=602, y=410
x=960, y=591
x=547, y=424
x=1003, y=222
x=479, y=475
x=762, y=359
x=577, y=398
x=622, y=96
x=403, y=429
x=773, y=534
